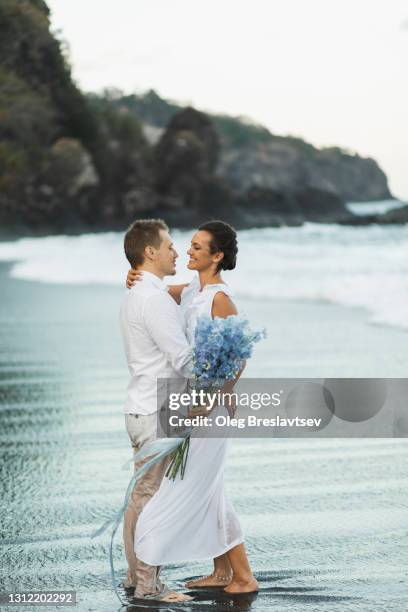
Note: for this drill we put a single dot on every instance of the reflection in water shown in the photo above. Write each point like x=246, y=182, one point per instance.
x=204, y=601
x=266, y=599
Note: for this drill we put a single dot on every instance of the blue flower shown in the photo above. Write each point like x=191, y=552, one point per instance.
x=220, y=347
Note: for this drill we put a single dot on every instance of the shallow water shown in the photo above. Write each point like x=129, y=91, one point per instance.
x=326, y=521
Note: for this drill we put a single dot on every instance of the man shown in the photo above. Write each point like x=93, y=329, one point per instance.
x=155, y=347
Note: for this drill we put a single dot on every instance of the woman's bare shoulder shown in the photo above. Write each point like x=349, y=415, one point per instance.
x=223, y=306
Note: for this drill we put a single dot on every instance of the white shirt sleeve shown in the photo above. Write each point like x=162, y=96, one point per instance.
x=162, y=319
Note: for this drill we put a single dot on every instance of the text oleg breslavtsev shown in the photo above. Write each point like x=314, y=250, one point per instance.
x=176, y=420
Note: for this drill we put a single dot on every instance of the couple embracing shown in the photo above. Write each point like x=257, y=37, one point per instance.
x=189, y=518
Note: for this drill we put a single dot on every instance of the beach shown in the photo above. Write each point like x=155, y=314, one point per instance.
x=325, y=520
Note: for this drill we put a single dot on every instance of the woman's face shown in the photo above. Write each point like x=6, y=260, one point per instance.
x=199, y=252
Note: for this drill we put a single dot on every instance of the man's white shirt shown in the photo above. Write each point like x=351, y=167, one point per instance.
x=155, y=343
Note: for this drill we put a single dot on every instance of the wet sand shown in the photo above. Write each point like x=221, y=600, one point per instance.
x=325, y=520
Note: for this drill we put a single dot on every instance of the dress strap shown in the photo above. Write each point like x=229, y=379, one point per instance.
x=208, y=294
x=191, y=289
x=219, y=287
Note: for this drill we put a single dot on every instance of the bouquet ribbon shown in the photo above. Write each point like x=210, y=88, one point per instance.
x=158, y=449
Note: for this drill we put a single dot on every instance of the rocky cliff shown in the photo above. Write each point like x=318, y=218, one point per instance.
x=70, y=163
x=252, y=157
x=285, y=163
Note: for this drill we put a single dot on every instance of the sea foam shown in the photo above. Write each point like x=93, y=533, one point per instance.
x=354, y=266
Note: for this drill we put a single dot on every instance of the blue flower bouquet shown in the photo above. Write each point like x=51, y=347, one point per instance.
x=221, y=346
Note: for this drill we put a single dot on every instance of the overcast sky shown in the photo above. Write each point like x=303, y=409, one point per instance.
x=331, y=71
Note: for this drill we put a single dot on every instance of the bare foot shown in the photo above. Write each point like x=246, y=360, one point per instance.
x=213, y=580
x=242, y=586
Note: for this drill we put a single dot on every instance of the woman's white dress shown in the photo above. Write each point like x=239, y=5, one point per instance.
x=191, y=519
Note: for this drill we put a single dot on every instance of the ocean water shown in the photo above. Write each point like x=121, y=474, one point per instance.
x=326, y=521
x=374, y=208
x=352, y=266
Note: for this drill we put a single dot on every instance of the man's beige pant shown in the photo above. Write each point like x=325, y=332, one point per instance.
x=142, y=429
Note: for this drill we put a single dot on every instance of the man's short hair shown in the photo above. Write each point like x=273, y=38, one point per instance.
x=142, y=233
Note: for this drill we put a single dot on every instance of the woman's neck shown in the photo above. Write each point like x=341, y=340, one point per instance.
x=208, y=277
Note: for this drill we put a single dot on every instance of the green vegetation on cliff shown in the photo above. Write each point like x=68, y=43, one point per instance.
x=61, y=155
x=39, y=104
x=154, y=110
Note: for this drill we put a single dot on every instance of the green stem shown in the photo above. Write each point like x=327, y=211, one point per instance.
x=179, y=460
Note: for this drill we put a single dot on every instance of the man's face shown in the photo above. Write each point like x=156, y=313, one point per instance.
x=166, y=255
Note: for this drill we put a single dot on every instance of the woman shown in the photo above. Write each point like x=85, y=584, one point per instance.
x=191, y=519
